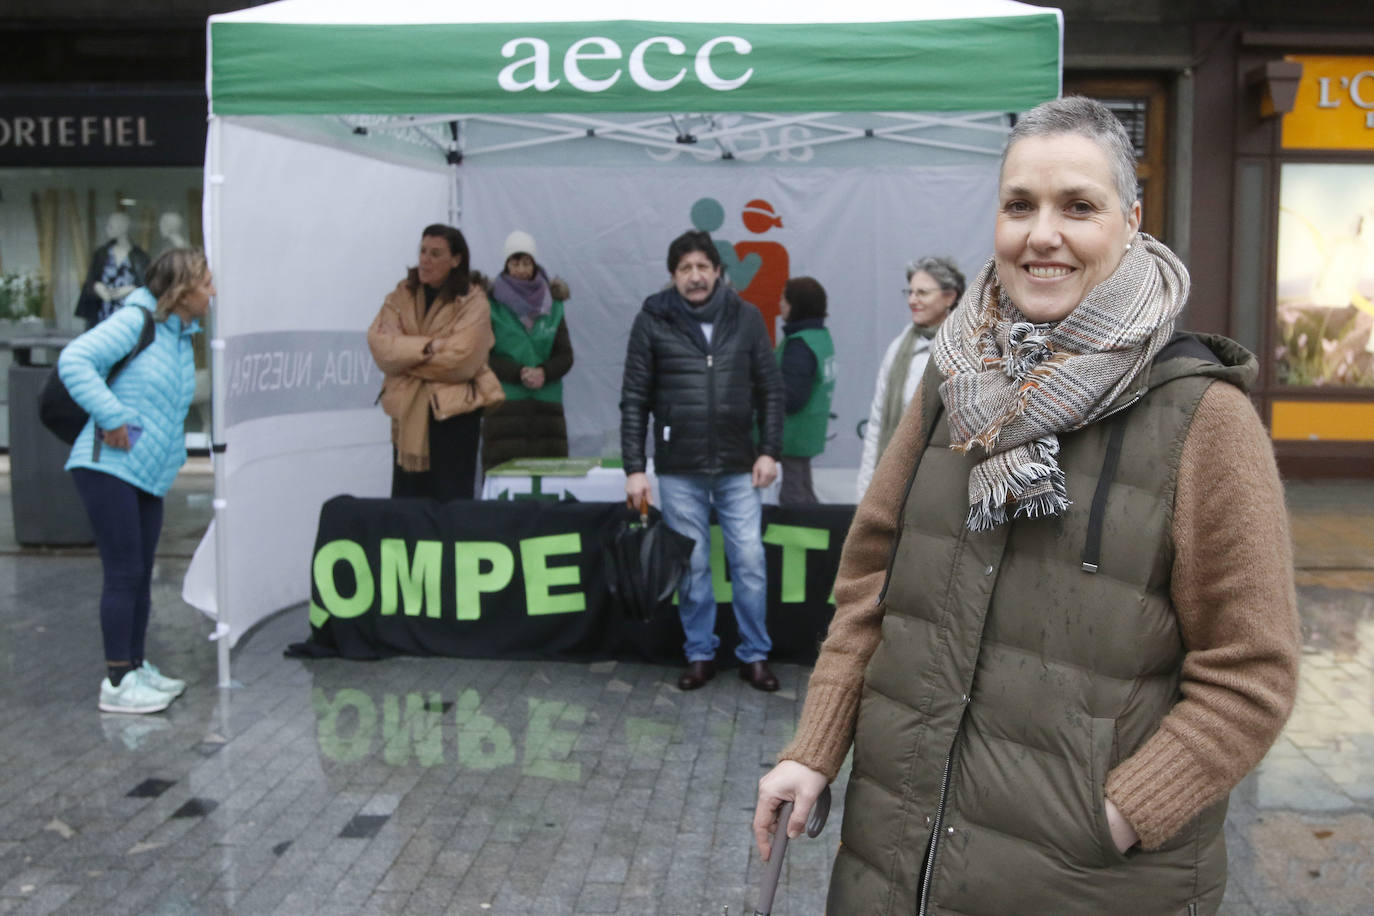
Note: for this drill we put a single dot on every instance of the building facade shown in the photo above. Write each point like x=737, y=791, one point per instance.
x=1254, y=123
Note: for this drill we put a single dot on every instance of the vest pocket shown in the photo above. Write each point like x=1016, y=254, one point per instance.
x=1102, y=753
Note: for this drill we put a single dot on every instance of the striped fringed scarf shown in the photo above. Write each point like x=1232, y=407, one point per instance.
x=1011, y=386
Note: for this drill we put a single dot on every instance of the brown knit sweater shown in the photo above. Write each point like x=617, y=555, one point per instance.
x=1232, y=588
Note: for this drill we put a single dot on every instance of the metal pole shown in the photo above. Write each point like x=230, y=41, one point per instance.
x=455, y=159
x=215, y=250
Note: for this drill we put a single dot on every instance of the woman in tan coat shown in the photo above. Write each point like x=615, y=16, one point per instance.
x=1065, y=622
x=431, y=340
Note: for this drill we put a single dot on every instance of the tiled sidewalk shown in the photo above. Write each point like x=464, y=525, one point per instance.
x=460, y=786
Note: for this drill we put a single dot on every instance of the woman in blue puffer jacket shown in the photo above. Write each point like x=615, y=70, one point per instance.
x=129, y=453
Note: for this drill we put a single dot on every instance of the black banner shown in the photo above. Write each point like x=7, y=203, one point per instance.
x=526, y=579
x=50, y=128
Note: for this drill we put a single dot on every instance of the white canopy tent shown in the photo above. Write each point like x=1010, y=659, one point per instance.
x=836, y=140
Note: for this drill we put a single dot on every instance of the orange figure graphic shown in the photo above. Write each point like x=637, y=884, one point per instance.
x=765, y=289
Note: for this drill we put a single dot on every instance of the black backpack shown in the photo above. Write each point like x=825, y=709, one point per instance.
x=64, y=416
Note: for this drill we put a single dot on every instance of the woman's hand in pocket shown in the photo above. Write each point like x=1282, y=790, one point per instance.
x=116, y=438
x=1123, y=834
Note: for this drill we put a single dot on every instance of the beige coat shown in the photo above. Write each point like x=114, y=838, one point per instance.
x=452, y=379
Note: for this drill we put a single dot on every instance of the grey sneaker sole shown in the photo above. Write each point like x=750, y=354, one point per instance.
x=135, y=710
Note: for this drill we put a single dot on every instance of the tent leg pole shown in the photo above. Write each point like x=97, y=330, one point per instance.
x=455, y=159
x=455, y=204
x=215, y=191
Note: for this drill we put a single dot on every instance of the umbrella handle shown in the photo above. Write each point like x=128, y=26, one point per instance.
x=814, y=823
x=769, y=887
x=642, y=506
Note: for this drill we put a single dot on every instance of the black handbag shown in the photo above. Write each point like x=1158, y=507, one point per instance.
x=56, y=408
x=645, y=560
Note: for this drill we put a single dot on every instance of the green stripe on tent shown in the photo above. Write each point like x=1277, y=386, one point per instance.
x=993, y=64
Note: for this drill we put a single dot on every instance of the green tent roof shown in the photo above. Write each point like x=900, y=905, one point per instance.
x=449, y=57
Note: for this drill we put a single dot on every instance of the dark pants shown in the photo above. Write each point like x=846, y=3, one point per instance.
x=127, y=522
x=796, y=487
x=452, y=470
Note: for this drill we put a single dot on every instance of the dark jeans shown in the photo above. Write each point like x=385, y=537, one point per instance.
x=127, y=522
x=796, y=487
x=452, y=470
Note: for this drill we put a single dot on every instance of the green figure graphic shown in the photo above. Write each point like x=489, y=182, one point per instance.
x=708, y=216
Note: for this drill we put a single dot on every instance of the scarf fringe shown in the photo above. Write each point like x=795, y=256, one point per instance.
x=1036, y=489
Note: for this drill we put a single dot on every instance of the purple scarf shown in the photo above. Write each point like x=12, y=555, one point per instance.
x=528, y=299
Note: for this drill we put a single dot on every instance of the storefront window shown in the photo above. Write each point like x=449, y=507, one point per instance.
x=1325, y=275
x=73, y=239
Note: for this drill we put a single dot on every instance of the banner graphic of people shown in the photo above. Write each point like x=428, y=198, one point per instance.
x=757, y=269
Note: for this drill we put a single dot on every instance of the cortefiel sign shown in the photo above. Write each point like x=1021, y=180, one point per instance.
x=54, y=129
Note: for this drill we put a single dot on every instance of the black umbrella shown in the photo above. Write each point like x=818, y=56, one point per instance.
x=645, y=559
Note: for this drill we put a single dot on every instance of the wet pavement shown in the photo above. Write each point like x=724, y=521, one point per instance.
x=461, y=786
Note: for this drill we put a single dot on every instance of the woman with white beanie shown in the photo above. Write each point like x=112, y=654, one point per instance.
x=531, y=355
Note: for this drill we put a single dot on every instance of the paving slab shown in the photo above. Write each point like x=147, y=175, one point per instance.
x=417, y=786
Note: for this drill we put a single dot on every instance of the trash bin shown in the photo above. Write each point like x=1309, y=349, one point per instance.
x=47, y=509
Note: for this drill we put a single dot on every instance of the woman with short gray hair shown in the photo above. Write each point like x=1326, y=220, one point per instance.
x=933, y=288
x=1065, y=625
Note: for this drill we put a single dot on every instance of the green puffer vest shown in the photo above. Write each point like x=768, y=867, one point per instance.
x=803, y=433
x=1010, y=681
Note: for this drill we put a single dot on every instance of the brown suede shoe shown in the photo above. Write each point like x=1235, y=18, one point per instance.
x=758, y=675
x=696, y=675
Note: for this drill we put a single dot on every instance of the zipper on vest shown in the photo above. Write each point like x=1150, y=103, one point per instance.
x=1136, y=397
x=935, y=833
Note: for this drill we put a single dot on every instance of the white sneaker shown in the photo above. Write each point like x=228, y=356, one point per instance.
x=132, y=696
x=159, y=681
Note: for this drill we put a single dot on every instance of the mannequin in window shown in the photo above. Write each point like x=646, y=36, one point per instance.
x=117, y=269
x=172, y=228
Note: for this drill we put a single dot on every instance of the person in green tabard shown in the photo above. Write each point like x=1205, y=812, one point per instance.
x=531, y=355
x=806, y=356
x=934, y=287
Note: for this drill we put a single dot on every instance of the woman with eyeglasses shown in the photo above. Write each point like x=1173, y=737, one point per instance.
x=933, y=288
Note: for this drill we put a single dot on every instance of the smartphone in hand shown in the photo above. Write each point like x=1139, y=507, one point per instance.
x=134, y=432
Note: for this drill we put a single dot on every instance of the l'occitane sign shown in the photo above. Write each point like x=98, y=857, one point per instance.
x=1335, y=104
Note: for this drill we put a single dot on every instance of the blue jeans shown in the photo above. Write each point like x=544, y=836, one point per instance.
x=126, y=522
x=687, y=501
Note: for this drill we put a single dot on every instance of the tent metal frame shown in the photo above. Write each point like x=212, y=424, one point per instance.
x=673, y=131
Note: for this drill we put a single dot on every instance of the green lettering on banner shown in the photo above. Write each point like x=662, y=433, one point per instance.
x=327, y=713
x=795, y=541
x=720, y=585
x=468, y=557
x=540, y=577
x=350, y=552
x=482, y=743
x=423, y=726
x=400, y=574
x=548, y=747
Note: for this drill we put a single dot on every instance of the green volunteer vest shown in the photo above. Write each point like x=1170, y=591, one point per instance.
x=528, y=348
x=803, y=433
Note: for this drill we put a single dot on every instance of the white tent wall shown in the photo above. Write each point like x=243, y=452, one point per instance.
x=309, y=224
x=306, y=241
x=606, y=231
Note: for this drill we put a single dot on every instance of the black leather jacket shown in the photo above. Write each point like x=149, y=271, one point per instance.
x=704, y=398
